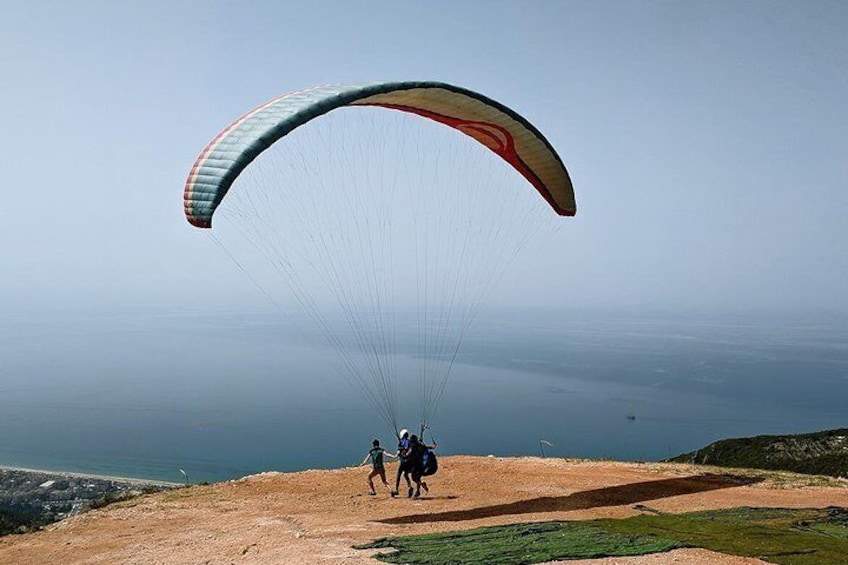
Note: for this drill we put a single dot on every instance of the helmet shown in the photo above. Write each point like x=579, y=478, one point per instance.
x=403, y=432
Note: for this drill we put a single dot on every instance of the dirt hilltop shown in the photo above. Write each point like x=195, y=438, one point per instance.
x=317, y=516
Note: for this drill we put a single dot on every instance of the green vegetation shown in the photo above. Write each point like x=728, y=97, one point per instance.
x=819, y=453
x=781, y=536
x=518, y=543
x=786, y=537
x=18, y=522
x=112, y=498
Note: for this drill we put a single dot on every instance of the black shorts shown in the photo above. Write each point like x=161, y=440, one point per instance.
x=406, y=467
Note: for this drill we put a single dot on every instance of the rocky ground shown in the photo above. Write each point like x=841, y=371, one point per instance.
x=317, y=516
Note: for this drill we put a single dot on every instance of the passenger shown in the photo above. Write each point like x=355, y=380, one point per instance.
x=376, y=454
x=405, y=466
x=417, y=450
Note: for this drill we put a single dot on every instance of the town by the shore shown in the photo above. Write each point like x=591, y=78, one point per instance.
x=31, y=498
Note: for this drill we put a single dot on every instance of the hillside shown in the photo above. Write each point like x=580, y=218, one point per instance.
x=818, y=453
x=318, y=516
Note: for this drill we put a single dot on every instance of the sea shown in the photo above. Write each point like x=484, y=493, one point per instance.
x=205, y=396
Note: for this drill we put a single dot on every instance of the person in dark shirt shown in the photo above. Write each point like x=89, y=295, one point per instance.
x=405, y=466
x=415, y=454
x=376, y=455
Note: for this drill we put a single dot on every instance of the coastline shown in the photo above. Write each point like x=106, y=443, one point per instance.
x=93, y=476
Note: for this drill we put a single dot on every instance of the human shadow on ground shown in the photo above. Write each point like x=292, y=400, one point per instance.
x=608, y=496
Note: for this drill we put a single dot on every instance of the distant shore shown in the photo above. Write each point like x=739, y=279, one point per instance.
x=74, y=474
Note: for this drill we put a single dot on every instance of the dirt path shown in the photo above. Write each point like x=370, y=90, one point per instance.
x=316, y=516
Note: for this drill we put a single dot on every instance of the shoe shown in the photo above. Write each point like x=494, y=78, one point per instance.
x=417, y=494
x=372, y=494
x=409, y=492
x=394, y=493
x=424, y=486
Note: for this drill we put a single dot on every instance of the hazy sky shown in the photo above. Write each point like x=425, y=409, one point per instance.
x=707, y=141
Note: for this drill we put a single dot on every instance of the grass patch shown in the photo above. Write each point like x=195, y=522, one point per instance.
x=782, y=536
x=518, y=544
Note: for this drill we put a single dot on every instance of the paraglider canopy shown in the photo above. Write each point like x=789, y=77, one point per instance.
x=494, y=125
